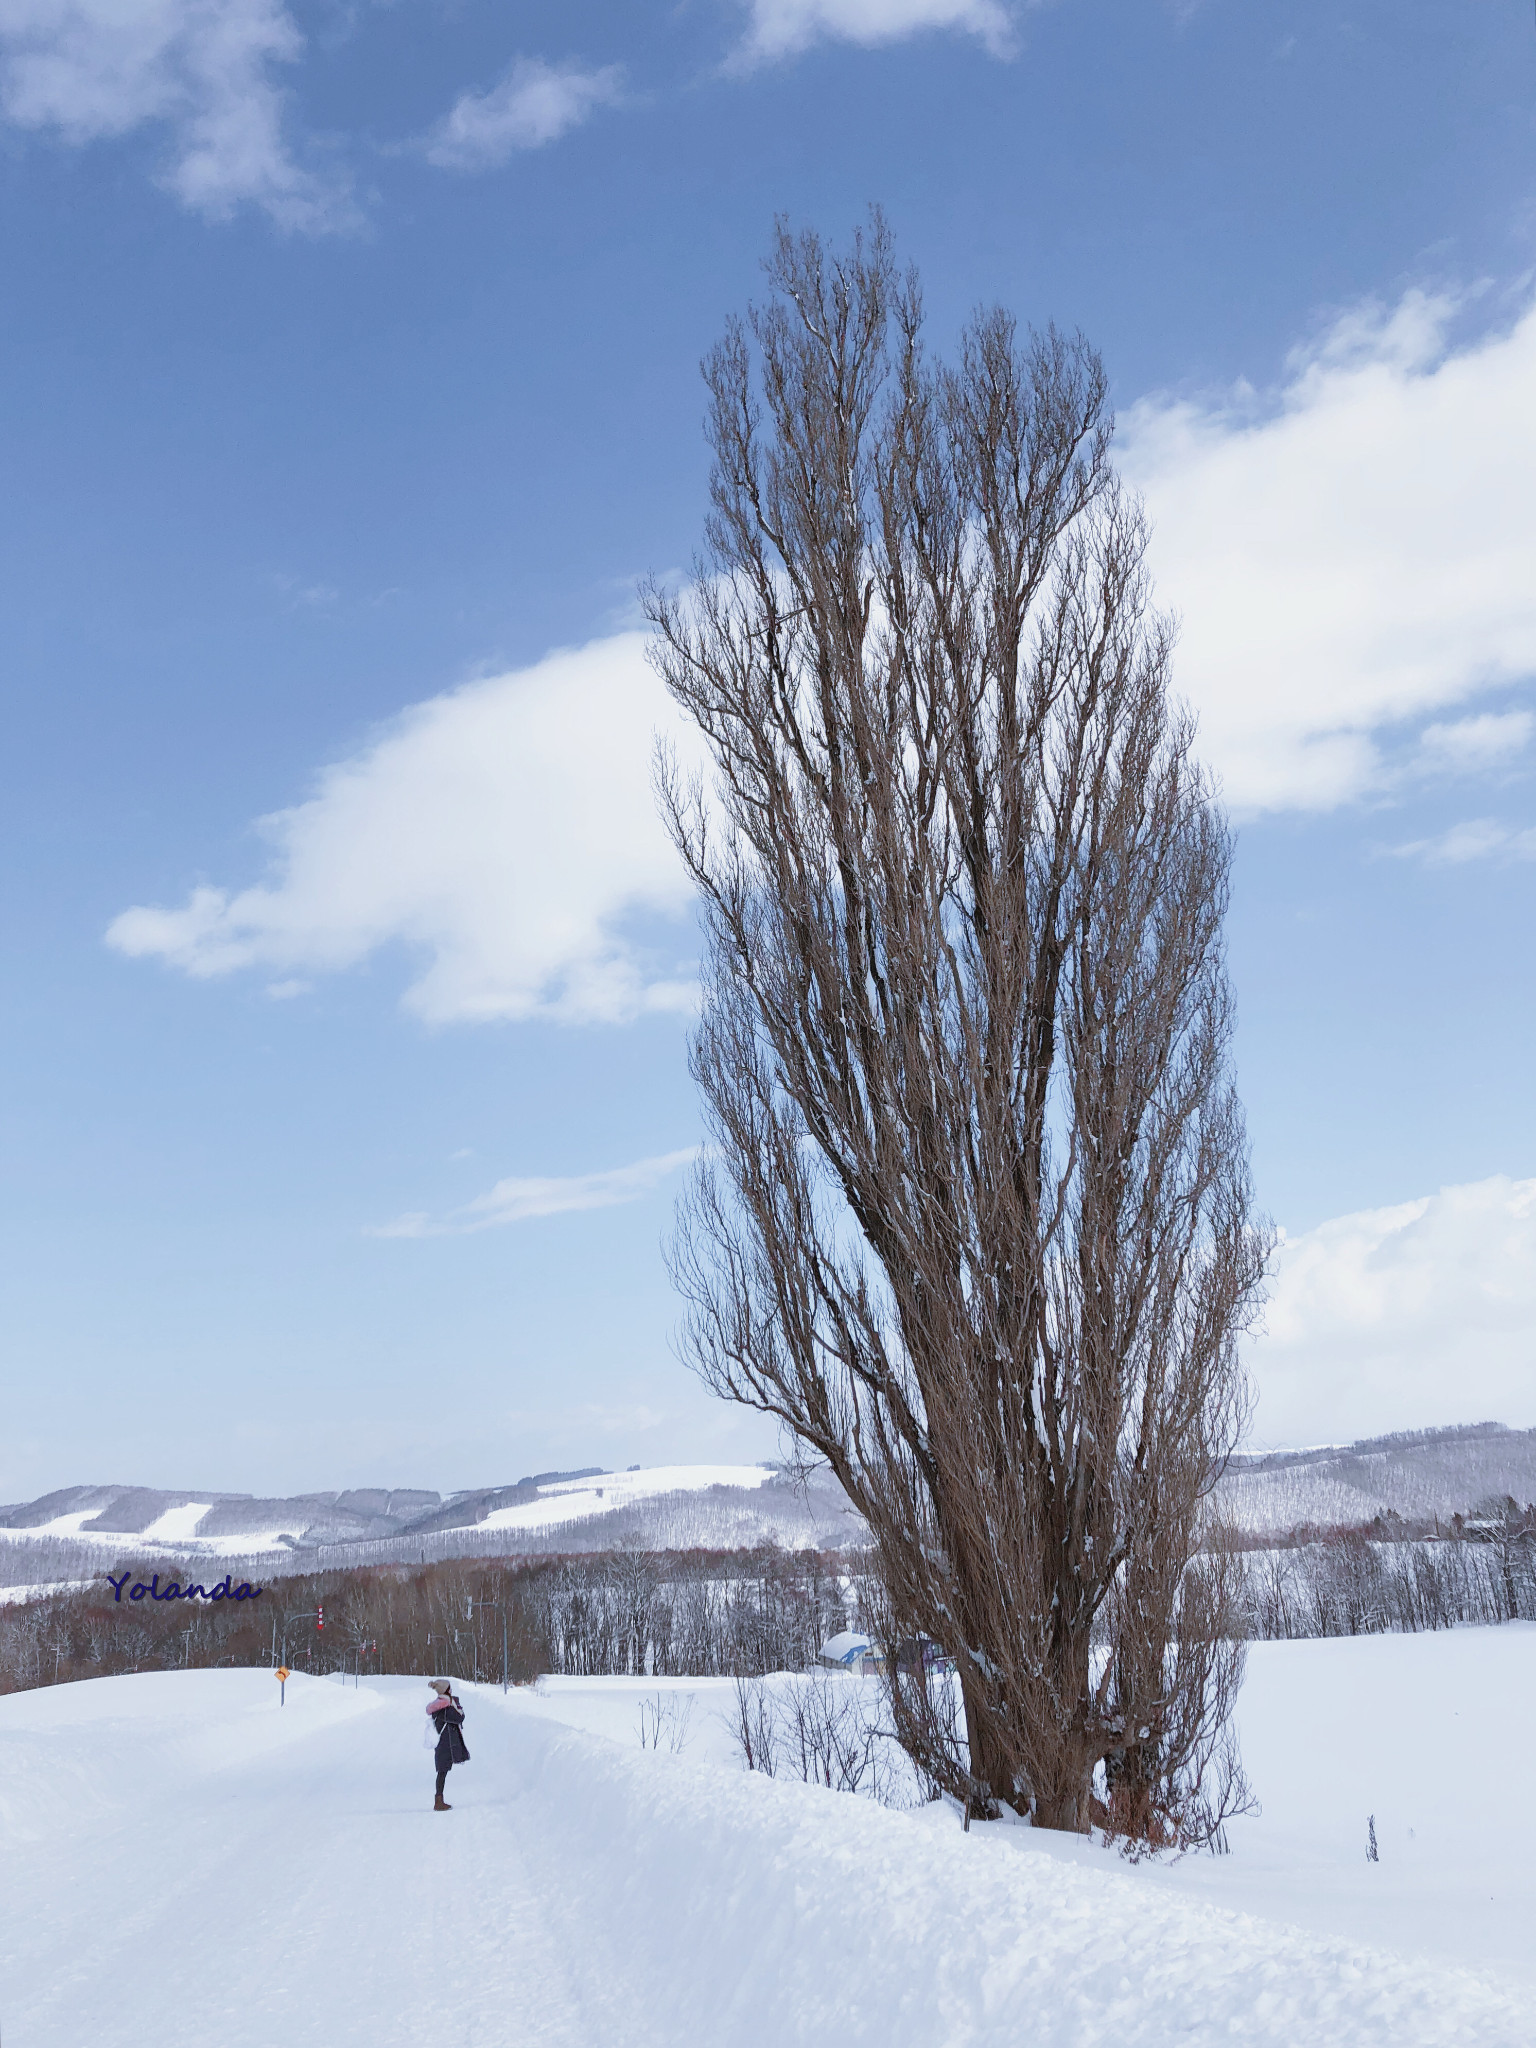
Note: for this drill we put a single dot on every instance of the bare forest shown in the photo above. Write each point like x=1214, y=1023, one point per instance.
x=706, y=1614
x=627, y=1613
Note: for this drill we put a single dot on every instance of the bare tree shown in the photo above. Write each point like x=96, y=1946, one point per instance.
x=975, y=1219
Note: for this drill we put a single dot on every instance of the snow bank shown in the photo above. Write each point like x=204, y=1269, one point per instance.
x=1423, y=1732
x=760, y=1912
x=1419, y=1732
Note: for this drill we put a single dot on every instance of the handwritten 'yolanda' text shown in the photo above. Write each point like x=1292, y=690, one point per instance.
x=244, y=1591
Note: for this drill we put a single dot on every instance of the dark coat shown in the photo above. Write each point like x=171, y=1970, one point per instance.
x=451, y=1749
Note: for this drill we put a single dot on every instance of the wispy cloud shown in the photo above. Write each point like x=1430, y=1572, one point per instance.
x=534, y=104
x=202, y=71
x=1474, y=839
x=1474, y=746
x=781, y=28
x=521, y=1198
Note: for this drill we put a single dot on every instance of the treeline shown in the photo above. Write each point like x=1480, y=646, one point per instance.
x=1386, y=1579
x=629, y=1612
x=737, y=1613
x=698, y=1615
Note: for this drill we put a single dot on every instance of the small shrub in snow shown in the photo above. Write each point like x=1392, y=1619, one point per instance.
x=753, y=1726
x=822, y=1729
x=664, y=1721
x=830, y=1741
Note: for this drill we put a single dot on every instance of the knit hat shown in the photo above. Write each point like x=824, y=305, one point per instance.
x=440, y=1684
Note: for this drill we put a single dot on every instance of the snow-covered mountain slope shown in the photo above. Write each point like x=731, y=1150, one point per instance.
x=188, y=1863
x=1422, y=1473
x=684, y=1507
x=667, y=1506
x=579, y=1500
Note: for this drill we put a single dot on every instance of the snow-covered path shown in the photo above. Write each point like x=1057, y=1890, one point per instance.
x=240, y=1890
x=187, y=1865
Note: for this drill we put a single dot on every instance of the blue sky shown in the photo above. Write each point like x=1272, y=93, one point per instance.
x=350, y=367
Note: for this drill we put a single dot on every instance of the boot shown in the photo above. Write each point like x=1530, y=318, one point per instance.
x=440, y=1805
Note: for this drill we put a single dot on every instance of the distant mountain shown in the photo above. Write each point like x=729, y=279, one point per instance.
x=200, y=1519
x=80, y=1529
x=663, y=1507
x=1429, y=1472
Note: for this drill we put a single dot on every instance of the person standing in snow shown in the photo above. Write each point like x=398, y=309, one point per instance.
x=446, y=1715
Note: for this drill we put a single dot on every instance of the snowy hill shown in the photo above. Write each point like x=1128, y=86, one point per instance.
x=190, y=1863
x=662, y=1506
x=683, y=1507
x=245, y=1523
x=1420, y=1474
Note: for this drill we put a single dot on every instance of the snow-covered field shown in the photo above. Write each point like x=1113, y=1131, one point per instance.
x=188, y=1863
x=575, y=1500
x=13, y=1596
x=169, y=1535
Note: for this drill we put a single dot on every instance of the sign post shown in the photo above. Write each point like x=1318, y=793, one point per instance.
x=281, y=1675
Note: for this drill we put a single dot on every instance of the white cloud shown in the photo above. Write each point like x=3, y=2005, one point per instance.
x=1474, y=839
x=779, y=28
x=1353, y=554
x=518, y=1199
x=93, y=69
x=1404, y=1318
x=1356, y=558
x=535, y=103
x=1473, y=746
x=505, y=830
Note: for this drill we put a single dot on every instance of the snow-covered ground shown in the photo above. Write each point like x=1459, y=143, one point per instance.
x=176, y=1525
x=575, y=1500
x=13, y=1596
x=57, y=1525
x=169, y=1535
x=188, y=1863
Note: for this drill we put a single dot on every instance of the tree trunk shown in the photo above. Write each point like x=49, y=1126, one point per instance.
x=989, y=1764
x=1064, y=1803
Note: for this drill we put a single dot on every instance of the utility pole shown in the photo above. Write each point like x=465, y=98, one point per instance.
x=304, y=1614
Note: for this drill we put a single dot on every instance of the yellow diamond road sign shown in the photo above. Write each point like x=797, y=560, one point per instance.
x=282, y=1671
